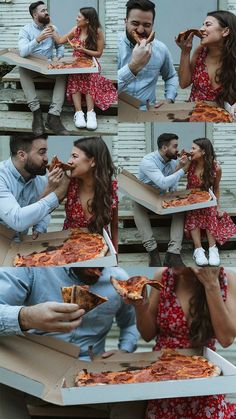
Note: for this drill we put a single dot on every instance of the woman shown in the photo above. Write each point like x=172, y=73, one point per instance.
x=205, y=173
x=88, y=40
x=195, y=307
x=92, y=194
x=212, y=68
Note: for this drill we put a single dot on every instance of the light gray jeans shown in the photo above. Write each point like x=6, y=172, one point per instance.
x=144, y=227
x=13, y=406
x=27, y=83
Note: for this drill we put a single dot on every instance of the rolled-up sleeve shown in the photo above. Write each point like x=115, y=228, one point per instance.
x=170, y=77
x=156, y=176
x=14, y=289
x=125, y=77
x=21, y=218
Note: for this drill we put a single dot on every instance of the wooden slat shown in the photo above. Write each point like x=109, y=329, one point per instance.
x=21, y=122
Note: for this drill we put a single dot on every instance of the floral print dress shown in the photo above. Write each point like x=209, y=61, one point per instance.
x=201, y=85
x=98, y=87
x=221, y=228
x=174, y=333
x=75, y=217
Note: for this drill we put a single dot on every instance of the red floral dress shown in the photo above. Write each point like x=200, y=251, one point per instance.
x=221, y=228
x=201, y=85
x=101, y=89
x=75, y=217
x=174, y=333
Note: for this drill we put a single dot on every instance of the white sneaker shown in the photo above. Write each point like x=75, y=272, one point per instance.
x=91, y=120
x=214, y=258
x=199, y=257
x=79, y=119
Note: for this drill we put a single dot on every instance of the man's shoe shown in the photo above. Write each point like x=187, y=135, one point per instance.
x=37, y=124
x=199, y=257
x=173, y=259
x=91, y=120
x=214, y=258
x=54, y=124
x=79, y=119
x=154, y=258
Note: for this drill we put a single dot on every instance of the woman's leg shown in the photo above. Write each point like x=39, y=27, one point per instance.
x=91, y=115
x=210, y=238
x=214, y=258
x=89, y=102
x=199, y=252
x=77, y=101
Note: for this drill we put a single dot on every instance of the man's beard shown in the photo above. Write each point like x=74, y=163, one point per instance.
x=171, y=156
x=88, y=277
x=132, y=40
x=34, y=170
x=44, y=20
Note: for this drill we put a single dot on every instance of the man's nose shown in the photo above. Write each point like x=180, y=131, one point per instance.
x=140, y=29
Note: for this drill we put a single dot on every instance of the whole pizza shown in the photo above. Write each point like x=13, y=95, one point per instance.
x=171, y=365
x=80, y=246
x=81, y=62
x=193, y=197
x=208, y=113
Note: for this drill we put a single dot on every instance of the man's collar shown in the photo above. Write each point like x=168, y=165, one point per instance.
x=128, y=42
x=161, y=158
x=16, y=173
x=40, y=27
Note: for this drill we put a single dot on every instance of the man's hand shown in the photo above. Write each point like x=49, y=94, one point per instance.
x=54, y=179
x=162, y=102
x=61, y=189
x=35, y=234
x=140, y=56
x=46, y=33
x=186, y=44
x=113, y=352
x=51, y=317
x=183, y=163
x=207, y=276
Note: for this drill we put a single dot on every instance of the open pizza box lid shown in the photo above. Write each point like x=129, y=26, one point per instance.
x=10, y=248
x=129, y=110
x=40, y=64
x=150, y=197
x=45, y=367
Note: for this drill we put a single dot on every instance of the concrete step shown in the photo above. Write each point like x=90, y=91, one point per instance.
x=21, y=122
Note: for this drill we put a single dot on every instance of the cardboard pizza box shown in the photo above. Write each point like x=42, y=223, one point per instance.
x=46, y=367
x=40, y=64
x=129, y=111
x=10, y=248
x=150, y=197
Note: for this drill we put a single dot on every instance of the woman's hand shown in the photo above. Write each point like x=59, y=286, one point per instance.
x=207, y=276
x=185, y=44
x=219, y=212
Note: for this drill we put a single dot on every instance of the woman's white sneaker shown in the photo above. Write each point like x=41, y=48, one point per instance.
x=214, y=258
x=199, y=257
x=91, y=120
x=79, y=119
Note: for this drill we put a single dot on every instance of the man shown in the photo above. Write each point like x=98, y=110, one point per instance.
x=30, y=300
x=27, y=196
x=139, y=66
x=36, y=38
x=161, y=170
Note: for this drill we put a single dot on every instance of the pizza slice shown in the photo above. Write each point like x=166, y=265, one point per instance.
x=185, y=34
x=82, y=296
x=203, y=112
x=138, y=38
x=57, y=163
x=133, y=288
x=183, y=152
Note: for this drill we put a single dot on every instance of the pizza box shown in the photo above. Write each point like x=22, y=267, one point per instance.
x=45, y=367
x=9, y=248
x=129, y=111
x=40, y=64
x=150, y=197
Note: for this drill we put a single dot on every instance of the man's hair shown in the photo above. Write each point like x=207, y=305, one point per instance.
x=145, y=5
x=23, y=142
x=165, y=139
x=34, y=6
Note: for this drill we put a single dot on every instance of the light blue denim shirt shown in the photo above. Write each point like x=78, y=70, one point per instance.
x=19, y=204
x=143, y=85
x=27, y=43
x=155, y=171
x=29, y=286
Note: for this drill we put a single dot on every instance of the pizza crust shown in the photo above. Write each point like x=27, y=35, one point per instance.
x=186, y=33
x=133, y=288
x=81, y=295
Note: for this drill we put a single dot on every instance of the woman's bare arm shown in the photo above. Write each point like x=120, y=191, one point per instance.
x=114, y=228
x=187, y=64
x=63, y=39
x=100, y=47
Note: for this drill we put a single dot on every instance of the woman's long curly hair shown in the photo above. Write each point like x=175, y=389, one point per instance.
x=209, y=162
x=201, y=329
x=226, y=74
x=93, y=25
x=103, y=171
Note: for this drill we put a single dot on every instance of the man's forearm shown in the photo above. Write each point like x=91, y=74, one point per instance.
x=9, y=323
